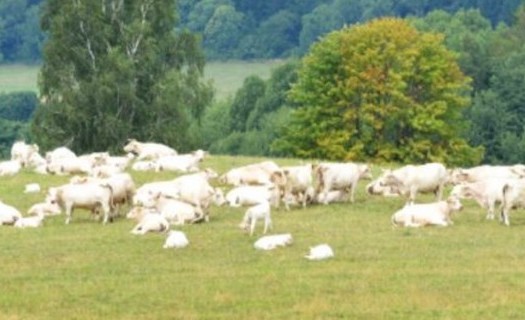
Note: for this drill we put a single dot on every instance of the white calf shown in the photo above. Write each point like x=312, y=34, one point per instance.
x=32, y=188
x=273, y=241
x=420, y=215
x=151, y=222
x=260, y=211
x=30, y=222
x=44, y=208
x=320, y=252
x=176, y=239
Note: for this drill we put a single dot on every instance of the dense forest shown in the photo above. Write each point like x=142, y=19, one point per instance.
x=248, y=29
x=486, y=39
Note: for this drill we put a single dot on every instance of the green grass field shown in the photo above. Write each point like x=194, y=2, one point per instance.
x=226, y=77
x=472, y=270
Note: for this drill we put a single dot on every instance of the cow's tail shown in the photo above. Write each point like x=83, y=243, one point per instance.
x=393, y=220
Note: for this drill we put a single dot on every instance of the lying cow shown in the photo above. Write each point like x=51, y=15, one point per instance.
x=148, y=150
x=419, y=215
x=412, y=179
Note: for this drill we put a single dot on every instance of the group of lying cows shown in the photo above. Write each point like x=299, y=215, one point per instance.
x=102, y=185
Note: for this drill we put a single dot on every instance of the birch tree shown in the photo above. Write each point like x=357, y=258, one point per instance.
x=115, y=69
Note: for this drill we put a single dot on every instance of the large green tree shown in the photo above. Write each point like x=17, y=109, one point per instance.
x=383, y=91
x=114, y=70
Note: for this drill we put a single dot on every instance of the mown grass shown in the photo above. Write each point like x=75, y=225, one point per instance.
x=472, y=270
x=226, y=77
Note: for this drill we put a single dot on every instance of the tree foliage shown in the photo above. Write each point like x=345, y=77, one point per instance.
x=114, y=70
x=379, y=91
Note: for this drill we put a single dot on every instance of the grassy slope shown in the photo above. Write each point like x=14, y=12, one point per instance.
x=472, y=270
x=226, y=77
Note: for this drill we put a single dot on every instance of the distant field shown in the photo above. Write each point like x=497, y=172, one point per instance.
x=18, y=78
x=472, y=270
x=227, y=77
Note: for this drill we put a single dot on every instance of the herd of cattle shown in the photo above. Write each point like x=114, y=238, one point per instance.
x=100, y=183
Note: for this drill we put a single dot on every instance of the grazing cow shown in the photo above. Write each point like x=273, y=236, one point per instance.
x=252, y=174
x=273, y=241
x=479, y=173
x=295, y=181
x=30, y=222
x=151, y=222
x=9, y=167
x=339, y=176
x=8, y=214
x=22, y=152
x=320, y=252
x=420, y=215
x=513, y=198
x=176, y=239
x=181, y=163
x=411, y=179
x=90, y=196
x=260, y=211
x=487, y=193
x=252, y=195
x=148, y=150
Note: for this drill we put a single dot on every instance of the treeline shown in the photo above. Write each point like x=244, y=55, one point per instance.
x=248, y=29
x=493, y=58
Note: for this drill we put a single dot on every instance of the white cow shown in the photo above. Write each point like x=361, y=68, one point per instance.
x=273, y=241
x=252, y=174
x=252, y=195
x=420, y=215
x=182, y=162
x=176, y=239
x=30, y=222
x=10, y=167
x=487, y=193
x=90, y=196
x=484, y=172
x=513, y=198
x=175, y=211
x=151, y=222
x=260, y=211
x=8, y=214
x=144, y=165
x=22, y=152
x=320, y=252
x=148, y=150
x=296, y=181
x=44, y=208
x=340, y=176
x=412, y=179
x=332, y=196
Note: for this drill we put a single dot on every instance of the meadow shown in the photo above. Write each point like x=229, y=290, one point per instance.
x=474, y=269
x=226, y=76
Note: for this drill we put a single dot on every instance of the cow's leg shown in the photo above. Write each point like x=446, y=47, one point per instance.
x=69, y=212
x=352, y=191
x=252, y=226
x=490, y=211
x=505, y=216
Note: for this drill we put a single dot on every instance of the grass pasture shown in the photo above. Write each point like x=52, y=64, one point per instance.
x=226, y=76
x=472, y=270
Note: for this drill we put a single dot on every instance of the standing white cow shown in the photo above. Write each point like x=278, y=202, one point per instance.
x=90, y=196
x=339, y=176
x=484, y=172
x=295, y=182
x=411, y=179
x=424, y=214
